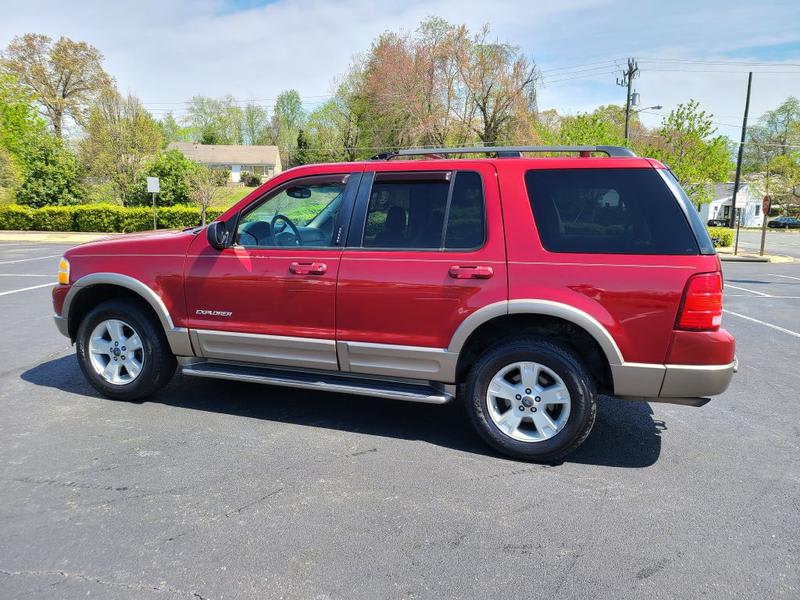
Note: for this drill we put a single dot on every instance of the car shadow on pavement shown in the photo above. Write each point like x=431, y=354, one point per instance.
x=625, y=434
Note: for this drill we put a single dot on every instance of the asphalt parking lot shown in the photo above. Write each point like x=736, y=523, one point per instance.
x=218, y=490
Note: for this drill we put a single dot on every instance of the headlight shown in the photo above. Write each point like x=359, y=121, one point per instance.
x=63, y=271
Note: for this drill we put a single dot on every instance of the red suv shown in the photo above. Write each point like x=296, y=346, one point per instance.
x=523, y=287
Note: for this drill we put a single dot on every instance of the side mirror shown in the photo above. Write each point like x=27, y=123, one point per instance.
x=217, y=233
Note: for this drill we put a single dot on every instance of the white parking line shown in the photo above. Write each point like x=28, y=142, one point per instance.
x=785, y=276
x=25, y=275
x=21, y=260
x=33, y=287
x=764, y=323
x=746, y=290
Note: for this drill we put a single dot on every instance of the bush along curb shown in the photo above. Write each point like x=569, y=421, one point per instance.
x=102, y=218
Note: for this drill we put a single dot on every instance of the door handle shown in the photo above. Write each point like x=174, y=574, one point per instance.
x=308, y=268
x=470, y=272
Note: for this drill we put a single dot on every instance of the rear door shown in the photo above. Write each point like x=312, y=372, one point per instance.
x=425, y=250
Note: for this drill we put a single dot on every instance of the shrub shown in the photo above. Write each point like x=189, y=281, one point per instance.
x=721, y=236
x=53, y=218
x=172, y=168
x=13, y=216
x=137, y=218
x=103, y=218
x=250, y=179
x=50, y=175
x=98, y=217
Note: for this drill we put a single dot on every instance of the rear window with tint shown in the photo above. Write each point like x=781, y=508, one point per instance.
x=608, y=211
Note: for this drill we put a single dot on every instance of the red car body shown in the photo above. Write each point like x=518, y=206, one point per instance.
x=412, y=313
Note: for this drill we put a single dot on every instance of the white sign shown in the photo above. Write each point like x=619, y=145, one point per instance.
x=153, y=185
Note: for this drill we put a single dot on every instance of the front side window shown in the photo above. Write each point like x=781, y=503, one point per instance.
x=426, y=211
x=608, y=211
x=301, y=213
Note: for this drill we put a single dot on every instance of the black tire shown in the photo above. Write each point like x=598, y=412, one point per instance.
x=158, y=364
x=583, y=398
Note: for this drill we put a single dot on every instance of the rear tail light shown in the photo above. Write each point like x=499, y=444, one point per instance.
x=701, y=309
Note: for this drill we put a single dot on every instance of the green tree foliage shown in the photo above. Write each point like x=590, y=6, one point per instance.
x=772, y=154
x=687, y=143
x=172, y=131
x=288, y=117
x=173, y=170
x=65, y=76
x=51, y=174
x=35, y=168
x=216, y=121
x=256, y=125
x=301, y=155
x=205, y=187
x=120, y=136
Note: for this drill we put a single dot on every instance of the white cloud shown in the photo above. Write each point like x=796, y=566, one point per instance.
x=168, y=51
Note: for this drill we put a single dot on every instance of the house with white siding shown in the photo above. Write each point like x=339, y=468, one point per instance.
x=747, y=200
x=263, y=161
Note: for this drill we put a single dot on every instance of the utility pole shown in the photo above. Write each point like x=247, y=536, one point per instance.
x=626, y=81
x=732, y=216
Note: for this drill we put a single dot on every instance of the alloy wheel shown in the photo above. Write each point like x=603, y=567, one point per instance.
x=116, y=352
x=528, y=401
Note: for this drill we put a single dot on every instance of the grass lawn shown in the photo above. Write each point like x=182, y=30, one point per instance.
x=230, y=195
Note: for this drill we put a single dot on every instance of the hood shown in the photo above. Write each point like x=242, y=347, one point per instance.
x=171, y=241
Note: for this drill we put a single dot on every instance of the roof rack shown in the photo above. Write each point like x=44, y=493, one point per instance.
x=506, y=151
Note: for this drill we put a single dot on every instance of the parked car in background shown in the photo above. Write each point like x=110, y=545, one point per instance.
x=718, y=222
x=412, y=280
x=784, y=223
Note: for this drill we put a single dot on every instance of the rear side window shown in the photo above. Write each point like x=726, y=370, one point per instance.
x=608, y=211
x=434, y=212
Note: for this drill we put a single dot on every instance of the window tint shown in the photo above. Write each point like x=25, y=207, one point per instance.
x=465, y=225
x=411, y=213
x=301, y=214
x=612, y=211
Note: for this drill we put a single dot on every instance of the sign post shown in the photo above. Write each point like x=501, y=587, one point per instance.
x=154, y=187
x=766, y=205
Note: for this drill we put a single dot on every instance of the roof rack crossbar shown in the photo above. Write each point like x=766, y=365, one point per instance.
x=507, y=151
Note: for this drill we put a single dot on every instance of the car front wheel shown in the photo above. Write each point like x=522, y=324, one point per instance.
x=531, y=399
x=123, y=351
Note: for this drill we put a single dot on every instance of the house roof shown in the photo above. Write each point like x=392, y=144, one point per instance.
x=213, y=154
x=724, y=191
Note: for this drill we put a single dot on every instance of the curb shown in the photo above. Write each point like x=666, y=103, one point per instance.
x=67, y=237
x=754, y=258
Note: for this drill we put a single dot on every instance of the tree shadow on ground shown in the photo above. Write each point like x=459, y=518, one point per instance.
x=625, y=434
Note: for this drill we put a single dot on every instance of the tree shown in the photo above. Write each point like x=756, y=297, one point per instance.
x=589, y=129
x=35, y=168
x=66, y=76
x=301, y=155
x=216, y=121
x=51, y=175
x=205, y=186
x=120, y=136
x=689, y=147
x=287, y=119
x=173, y=169
x=501, y=82
x=172, y=131
x=255, y=125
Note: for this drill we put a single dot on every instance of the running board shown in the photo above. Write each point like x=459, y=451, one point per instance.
x=324, y=382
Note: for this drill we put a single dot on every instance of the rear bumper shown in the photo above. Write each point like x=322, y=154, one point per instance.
x=696, y=380
x=671, y=382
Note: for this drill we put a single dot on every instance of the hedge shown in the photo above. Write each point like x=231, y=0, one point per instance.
x=721, y=236
x=104, y=218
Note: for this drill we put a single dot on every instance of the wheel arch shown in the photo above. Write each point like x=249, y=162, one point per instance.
x=577, y=329
x=92, y=289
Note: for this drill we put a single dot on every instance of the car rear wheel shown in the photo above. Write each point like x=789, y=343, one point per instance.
x=531, y=399
x=123, y=352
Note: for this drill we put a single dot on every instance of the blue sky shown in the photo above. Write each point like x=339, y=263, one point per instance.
x=165, y=52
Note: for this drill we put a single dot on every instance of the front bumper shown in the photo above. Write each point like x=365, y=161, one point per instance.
x=62, y=324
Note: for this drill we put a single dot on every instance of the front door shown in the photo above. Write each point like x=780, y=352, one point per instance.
x=426, y=249
x=270, y=298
